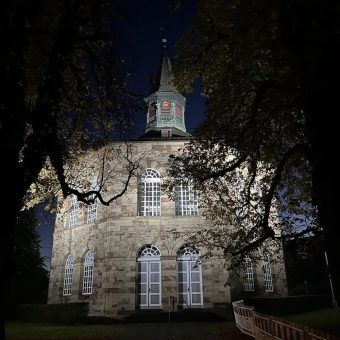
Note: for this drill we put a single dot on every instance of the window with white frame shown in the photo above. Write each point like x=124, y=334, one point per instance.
x=249, y=275
x=92, y=211
x=186, y=200
x=149, y=193
x=68, y=275
x=188, y=251
x=88, y=273
x=268, y=280
x=73, y=211
x=149, y=250
x=189, y=277
x=149, y=290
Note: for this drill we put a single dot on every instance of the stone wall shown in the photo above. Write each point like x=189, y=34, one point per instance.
x=117, y=235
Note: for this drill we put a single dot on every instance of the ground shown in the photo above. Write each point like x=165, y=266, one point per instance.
x=131, y=331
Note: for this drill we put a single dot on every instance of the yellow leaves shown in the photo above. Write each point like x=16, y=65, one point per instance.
x=45, y=187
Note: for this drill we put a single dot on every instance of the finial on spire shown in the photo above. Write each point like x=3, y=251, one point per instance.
x=164, y=41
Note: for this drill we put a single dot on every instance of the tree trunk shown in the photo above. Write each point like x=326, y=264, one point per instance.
x=10, y=204
x=322, y=132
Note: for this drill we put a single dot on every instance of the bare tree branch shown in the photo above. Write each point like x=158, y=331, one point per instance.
x=224, y=171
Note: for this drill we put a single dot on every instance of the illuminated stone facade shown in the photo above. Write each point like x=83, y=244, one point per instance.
x=143, y=262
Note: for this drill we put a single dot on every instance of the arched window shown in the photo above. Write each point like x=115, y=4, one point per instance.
x=92, y=208
x=268, y=280
x=68, y=275
x=186, y=200
x=149, y=193
x=187, y=250
x=249, y=275
x=92, y=212
x=149, y=277
x=189, y=277
x=149, y=250
x=88, y=273
x=73, y=211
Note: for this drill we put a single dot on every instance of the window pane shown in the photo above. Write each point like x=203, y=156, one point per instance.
x=149, y=193
x=154, y=299
x=155, y=267
x=182, y=277
x=143, y=288
x=185, y=199
x=142, y=267
x=141, y=299
x=182, y=287
x=182, y=266
x=154, y=288
x=142, y=277
x=195, y=277
x=154, y=277
x=196, y=287
x=196, y=298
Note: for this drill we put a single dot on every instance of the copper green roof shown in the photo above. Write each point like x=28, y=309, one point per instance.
x=165, y=79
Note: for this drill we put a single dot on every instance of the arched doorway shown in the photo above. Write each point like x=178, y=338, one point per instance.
x=149, y=277
x=189, y=278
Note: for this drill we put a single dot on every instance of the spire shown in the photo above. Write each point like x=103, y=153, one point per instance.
x=165, y=79
x=166, y=106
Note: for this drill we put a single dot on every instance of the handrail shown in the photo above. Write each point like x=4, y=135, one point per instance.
x=258, y=325
x=243, y=317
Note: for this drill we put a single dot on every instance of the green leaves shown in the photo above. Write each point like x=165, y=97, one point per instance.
x=249, y=160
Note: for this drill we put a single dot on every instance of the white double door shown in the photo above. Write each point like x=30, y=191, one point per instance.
x=189, y=278
x=149, y=284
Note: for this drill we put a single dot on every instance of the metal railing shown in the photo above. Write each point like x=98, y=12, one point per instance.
x=243, y=317
x=259, y=325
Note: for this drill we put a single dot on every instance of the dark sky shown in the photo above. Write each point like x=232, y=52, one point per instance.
x=143, y=27
x=146, y=24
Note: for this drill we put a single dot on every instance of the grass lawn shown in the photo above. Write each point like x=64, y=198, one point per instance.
x=29, y=331
x=127, y=331
x=325, y=320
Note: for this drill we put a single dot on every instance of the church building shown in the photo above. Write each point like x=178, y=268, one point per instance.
x=133, y=255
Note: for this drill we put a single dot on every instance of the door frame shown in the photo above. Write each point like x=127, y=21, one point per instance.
x=189, y=260
x=148, y=260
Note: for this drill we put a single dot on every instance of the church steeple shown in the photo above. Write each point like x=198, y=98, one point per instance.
x=166, y=106
x=165, y=79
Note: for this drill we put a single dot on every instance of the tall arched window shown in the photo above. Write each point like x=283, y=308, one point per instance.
x=186, y=201
x=249, y=275
x=73, y=211
x=149, y=277
x=68, y=275
x=92, y=208
x=88, y=273
x=268, y=280
x=92, y=211
x=149, y=193
x=189, y=277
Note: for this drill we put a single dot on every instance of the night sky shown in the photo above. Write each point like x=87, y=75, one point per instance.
x=143, y=27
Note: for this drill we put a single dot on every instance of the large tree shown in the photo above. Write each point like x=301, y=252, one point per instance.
x=63, y=91
x=264, y=157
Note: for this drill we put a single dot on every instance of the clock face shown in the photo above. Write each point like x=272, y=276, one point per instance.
x=165, y=108
x=165, y=105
